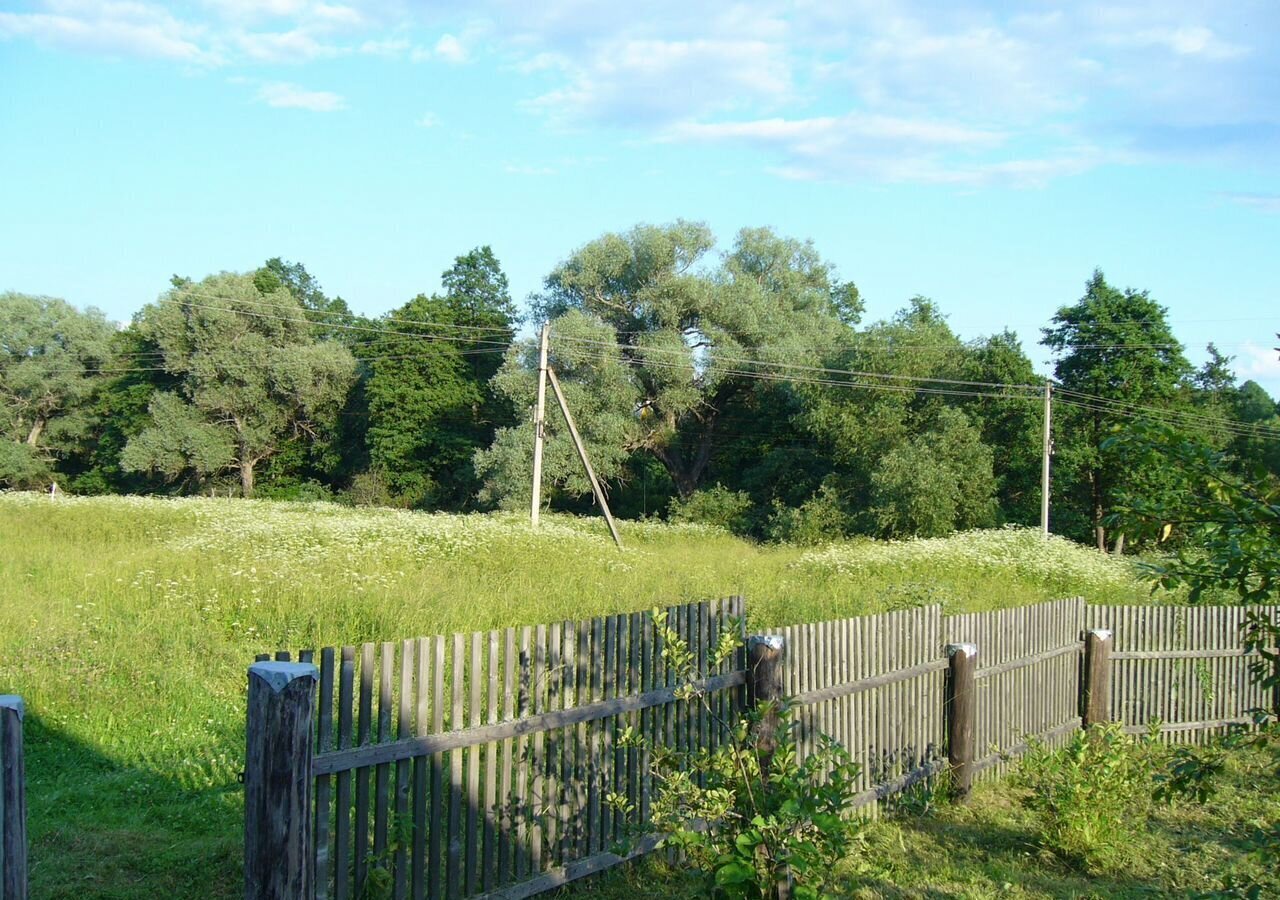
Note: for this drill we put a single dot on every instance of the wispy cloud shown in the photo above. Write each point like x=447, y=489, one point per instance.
x=284, y=95
x=294, y=46
x=965, y=92
x=450, y=49
x=1258, y=362
x=112, y=28
x=1265, y=202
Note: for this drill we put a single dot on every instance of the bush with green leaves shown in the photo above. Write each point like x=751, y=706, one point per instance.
x=749, y=815
x=730, y=510
x=1088, y=793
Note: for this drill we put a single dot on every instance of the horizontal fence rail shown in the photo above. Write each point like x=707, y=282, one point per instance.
x=481, y=764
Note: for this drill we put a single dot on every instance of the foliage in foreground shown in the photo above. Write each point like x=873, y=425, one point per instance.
x=748, y=815
x=1089, y=793
x=993, y=847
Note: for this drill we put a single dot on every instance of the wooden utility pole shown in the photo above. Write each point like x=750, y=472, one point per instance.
x=539, y=424
x=1044, y=465
x=582, y=455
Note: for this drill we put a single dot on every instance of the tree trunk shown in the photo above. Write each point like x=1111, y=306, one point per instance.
x=1118, y=548
x=246, y=476
x=37, y=429
x=1099, y=531
x=687, y=472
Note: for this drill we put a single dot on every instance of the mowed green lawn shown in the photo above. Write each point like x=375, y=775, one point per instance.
x=127, y=624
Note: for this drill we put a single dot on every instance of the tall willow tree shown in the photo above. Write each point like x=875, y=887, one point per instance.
x=657, y=342
x=50, y=357
x=252, y=376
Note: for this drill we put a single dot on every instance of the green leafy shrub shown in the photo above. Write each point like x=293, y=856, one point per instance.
x=754, y=821
x=730, y=510
x=822, y=519
x=1089, y=793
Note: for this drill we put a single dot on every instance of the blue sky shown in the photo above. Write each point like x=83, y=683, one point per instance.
x=988, y=155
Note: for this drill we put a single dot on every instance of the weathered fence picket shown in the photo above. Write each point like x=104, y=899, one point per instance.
x=483, y=764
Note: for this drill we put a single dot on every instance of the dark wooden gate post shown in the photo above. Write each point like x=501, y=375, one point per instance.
x=961, y=711
x=13, y=801
x=1095, y=686
x=764, y=673
x=277, y=781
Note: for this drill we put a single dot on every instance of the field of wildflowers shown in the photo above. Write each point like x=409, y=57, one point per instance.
x=127, y=624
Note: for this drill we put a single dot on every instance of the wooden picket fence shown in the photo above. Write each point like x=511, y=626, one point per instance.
x=481, y=765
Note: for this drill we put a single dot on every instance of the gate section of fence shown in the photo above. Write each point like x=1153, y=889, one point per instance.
x=1027, y=678
x=1183, y=667
x=875, y=684
x=482, y=764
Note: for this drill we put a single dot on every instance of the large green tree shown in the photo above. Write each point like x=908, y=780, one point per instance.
x=688, y=334
x=430, y=402
x=51, y=355
x=1115, y=350
x=252, y=377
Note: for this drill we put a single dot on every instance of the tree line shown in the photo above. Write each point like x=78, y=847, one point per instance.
x=741, y=388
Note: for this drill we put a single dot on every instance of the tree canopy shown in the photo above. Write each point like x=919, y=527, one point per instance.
x=51, y=357
x=251, y=372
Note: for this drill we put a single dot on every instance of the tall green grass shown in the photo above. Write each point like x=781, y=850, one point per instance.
x=127, y=624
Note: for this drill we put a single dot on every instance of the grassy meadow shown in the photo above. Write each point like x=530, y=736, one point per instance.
x=128, y=623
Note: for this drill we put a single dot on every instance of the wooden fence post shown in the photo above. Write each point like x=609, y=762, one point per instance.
x=1095, y=686
x=13, y=801
x=764, y=672
x=961, y=710
x=277, y=781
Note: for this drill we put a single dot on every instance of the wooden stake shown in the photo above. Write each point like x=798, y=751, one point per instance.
x=582, y=455
x=539, y=426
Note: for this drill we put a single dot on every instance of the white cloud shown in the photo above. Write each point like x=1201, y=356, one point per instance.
x=125, y=28
x=649, y=81
x=1265, y=202
x=1190, y=41
x=450, y=49
x=429, y=120
x=389, y=47
x=521, y=169
x=297, y=45
x=1258, y=362
x=335, y=14
x=290, y=96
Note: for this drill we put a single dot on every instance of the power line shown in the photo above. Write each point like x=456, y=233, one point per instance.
x=325, y=312
x=712, y=359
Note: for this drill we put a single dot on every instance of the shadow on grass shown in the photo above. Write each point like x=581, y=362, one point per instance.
x=100, y=829
x=943, y=858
